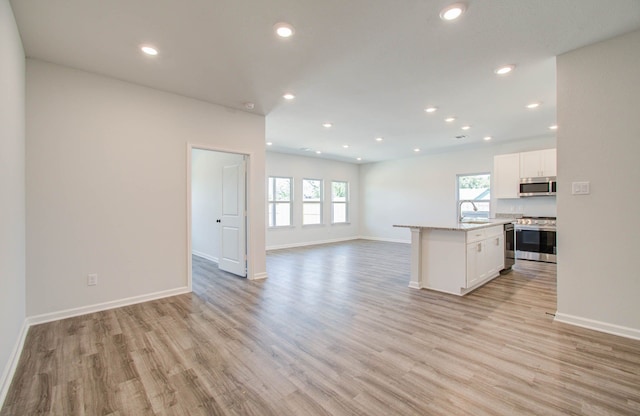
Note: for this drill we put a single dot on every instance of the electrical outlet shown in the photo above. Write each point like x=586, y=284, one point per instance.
x=92, y=279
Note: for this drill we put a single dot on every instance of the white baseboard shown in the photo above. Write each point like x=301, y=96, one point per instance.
x=258, y=276
x=12, y=365
x=387, y=240
x=69, y=313
x=204, y=256
x=311, y=243
x=337, y=240
x=608, y=328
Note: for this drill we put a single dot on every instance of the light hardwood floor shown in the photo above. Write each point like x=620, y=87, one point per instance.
x=334, y=331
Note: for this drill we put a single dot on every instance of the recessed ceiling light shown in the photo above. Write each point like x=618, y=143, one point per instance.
x=327, y=125
x=431, y=109
x=149, y=50
x=487, y=138
x=249, y=106
x=288, y=96
x=465, y=127
x=379, y=139
x=269, y=143
x=505, y=69
x=453, y=11
x=533, y=105
x=318, y=152
x=554, y=127
x=284, y=30
x=346, y=146
x=450, y=119
x=358, y=158
x=416, y=150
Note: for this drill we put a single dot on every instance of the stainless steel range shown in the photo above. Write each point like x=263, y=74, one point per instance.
x=536, y=239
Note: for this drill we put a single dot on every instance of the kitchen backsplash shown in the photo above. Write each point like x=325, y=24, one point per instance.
x=541, y=206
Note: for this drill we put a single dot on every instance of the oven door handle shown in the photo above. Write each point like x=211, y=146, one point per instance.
x=534, y=228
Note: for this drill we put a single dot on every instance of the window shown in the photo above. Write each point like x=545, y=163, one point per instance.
x=279, y=201
x=311, y=201
x=474, y=195
x=339, y=200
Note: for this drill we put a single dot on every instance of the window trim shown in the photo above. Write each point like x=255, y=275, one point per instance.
x=272, y=203
x=345, y=202
x=320, y=203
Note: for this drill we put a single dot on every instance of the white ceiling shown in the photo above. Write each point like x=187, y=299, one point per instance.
x=368, y=66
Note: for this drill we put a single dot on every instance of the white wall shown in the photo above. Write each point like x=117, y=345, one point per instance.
x=422, y=189
x=300, y=167
x=12, y=193
x=206, y=200
x=599, y=142
x=107, y=186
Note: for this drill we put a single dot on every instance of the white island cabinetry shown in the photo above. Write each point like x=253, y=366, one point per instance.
x=456, y=259
x=485, y=254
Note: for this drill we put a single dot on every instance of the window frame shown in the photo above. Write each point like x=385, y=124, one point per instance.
x=272, y=203
x=334, y=203
x=319, y=202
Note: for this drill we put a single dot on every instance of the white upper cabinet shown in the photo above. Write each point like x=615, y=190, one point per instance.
x=540, y=163
x=509, y=168
x=506, y=176
x=549, y=162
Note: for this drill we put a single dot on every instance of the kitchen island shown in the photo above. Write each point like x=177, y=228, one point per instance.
x=456, y=258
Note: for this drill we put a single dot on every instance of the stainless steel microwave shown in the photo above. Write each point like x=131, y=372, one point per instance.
x=538, y=186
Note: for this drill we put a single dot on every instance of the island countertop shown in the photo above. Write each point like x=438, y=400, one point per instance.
x=460, y=226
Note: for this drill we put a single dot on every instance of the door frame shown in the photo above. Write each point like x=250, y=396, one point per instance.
x=248, y=200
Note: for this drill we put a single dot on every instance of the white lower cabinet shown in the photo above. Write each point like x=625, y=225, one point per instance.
x=485, y=254
x=473, y=268
x=495, y=254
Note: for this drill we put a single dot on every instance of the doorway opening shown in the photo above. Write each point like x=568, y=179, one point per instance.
x=217, y=209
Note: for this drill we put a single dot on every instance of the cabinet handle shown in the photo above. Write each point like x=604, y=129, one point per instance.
x=498, y=241
x=479, y=247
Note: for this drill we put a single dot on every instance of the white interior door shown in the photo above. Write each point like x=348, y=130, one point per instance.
x=233, y=222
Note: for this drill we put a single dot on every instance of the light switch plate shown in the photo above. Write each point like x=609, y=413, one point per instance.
x=92, y=279
x=580, y=188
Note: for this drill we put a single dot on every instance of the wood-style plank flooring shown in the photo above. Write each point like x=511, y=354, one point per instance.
x=334, y=331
